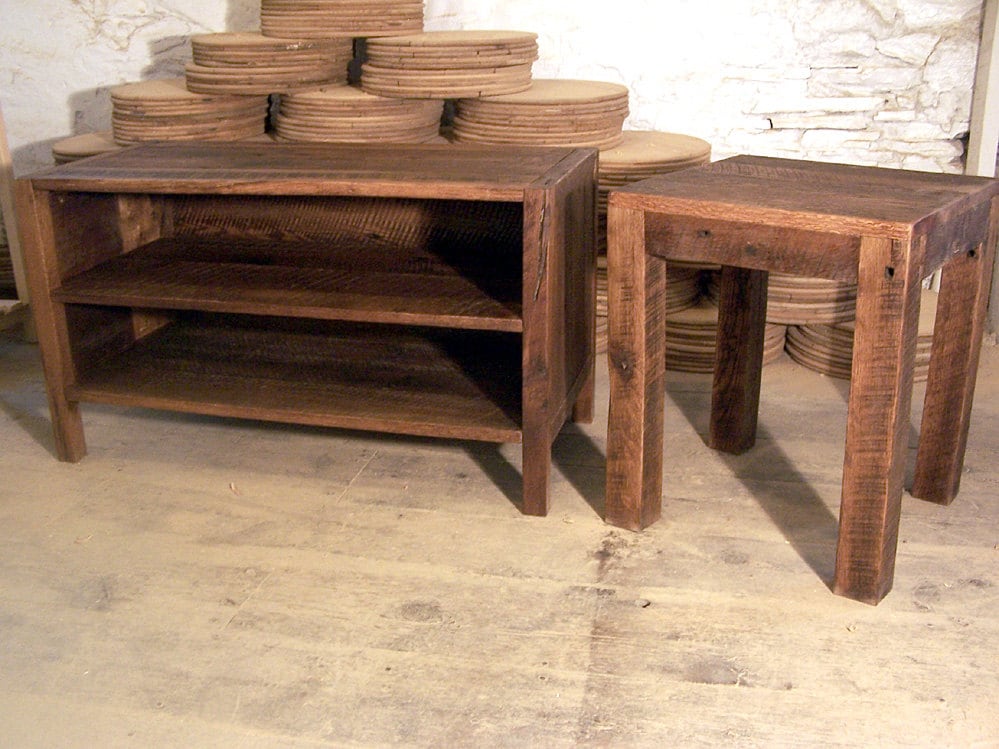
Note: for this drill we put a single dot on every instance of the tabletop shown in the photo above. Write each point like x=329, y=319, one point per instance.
x=788, y=192
x=433, y=171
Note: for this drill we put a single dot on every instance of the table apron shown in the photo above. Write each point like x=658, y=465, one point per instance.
x=803, y=252
x=956, y=236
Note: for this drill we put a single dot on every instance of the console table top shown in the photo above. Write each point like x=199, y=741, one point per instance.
x=434, y=171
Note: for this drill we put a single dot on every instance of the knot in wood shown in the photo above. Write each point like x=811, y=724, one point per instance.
x=623, y=362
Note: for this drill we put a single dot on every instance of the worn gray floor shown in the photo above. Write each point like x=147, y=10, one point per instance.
x=204, y=582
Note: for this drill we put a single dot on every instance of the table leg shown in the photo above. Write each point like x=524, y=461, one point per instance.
x=51, y=325
x=636, y=360
x=950, y=388
x=583, y=408
x=735, y=394
x=878, y=417
x=536, y=461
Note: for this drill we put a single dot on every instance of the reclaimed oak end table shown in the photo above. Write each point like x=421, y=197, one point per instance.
x=883, y=229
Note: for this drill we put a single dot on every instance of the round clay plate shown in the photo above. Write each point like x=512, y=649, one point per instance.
x=457, y=39
x=546, y=91
x=653, y=147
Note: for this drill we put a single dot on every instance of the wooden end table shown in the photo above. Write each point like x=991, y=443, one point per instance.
x=885, y=230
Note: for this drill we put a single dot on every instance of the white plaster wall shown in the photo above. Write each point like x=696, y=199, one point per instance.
x=884, y=82
x=59, y=58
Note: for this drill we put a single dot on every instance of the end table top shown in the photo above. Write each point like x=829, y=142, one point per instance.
x=810, y=195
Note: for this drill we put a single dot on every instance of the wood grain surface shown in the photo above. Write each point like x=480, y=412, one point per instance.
x=423, y=291
x=884, y=229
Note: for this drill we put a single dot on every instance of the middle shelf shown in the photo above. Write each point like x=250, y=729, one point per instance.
x=303, y=278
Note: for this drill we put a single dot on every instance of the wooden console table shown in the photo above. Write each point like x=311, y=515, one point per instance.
x=885, y=230
x=433, y=290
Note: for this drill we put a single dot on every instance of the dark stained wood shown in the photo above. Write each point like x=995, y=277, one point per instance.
x=72, y=216
x=419, y=171
x=579, y=220
x=637, y=368
x=747, y=245
x=167, y=275
x=735, y=393
x=142, y=219
x=888, y=229
x=811, y=196
x=432, y=291
x=43, y=270
x=877, y=428
x=540, y=226
x=434, y=383
x=963, y=234
x=380, y=227
x=950, y=388
x=559, y=265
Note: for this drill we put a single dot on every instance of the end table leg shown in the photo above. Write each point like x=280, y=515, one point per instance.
x=878, y=417
x=583, y=408
x=950, y=388
x=735, y=393
x=636, y=359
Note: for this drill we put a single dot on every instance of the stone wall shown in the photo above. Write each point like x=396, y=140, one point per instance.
x=884, y=82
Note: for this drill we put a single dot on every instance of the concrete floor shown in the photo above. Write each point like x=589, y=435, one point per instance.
x=201, y=582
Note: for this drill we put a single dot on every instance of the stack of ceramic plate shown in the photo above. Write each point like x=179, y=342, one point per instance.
x=449, y=64
x=797, y=300
x=642, y=154
x=683, y=289
x=828, y=349
x=346, y=114
x=81, y=146
x=326, y=19
x=250, y=63
x=691, y=339
x=165, y=110
x=550, y=113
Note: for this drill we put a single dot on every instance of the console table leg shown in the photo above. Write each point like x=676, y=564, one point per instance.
x=950, y=387
x=877, y=417
x=51, y=325
x=636, y=359
x=67, y=424
x=735, y=393
x=536, y=461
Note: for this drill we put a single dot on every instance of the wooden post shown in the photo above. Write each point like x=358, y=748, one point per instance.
x=738, y=369
x=983, y=140
x=950, y=387
x=636, y=360
x=9, y=217
x=14, y=312
x=878, y=416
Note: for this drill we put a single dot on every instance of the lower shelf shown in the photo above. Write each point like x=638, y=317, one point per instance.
x=419, y=381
